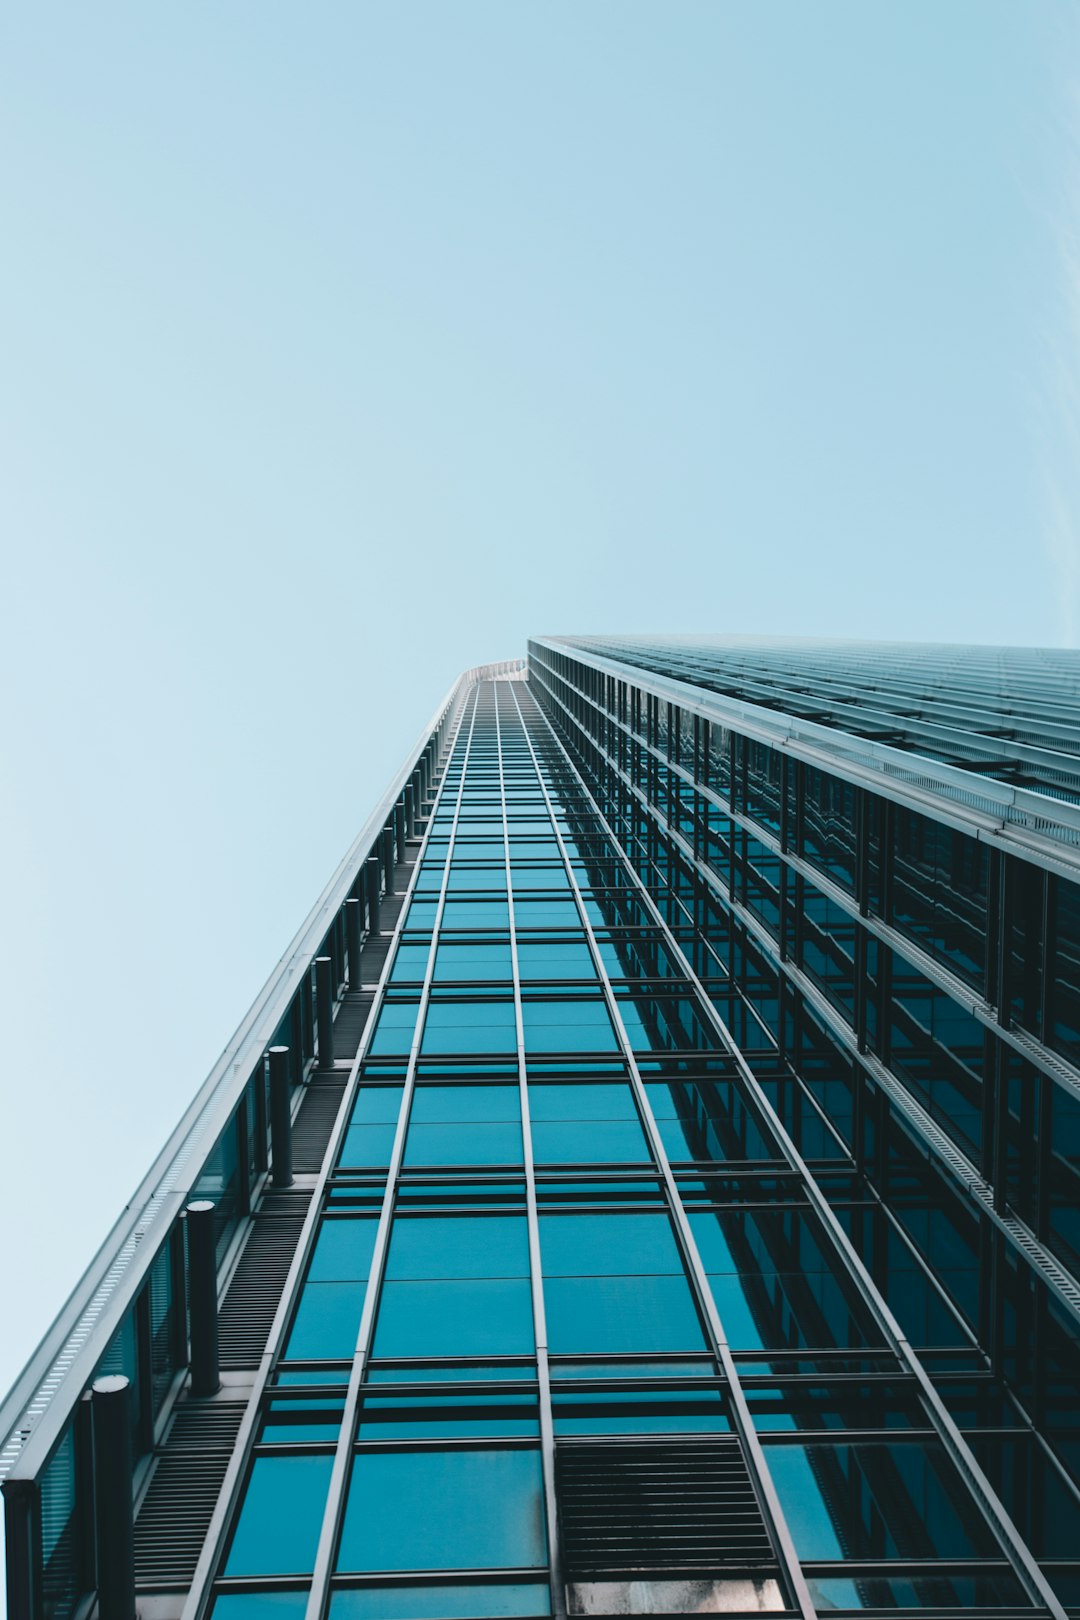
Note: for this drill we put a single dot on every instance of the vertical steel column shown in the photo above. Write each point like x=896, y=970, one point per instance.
x=280, y=1117
x=371, y=885
x=178, y=1309
x=22, y=1543
x=262, y=1128
x=399, y=827
x=324, y=1000
x=354, y=926
x=202, y=1297
x=387, y=846
x=111, y=1401
x=409, y=801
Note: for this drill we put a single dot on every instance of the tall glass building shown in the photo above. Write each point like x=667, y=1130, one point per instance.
x=650, y=1183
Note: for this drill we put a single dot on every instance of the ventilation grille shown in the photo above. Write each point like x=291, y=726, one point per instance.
x=255, y=1291
x=350, y=1021
x=652, y=1509
x=186, y=1483
x=315, y=1121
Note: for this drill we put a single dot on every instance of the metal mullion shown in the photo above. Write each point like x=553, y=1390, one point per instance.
x=765, y=1490
x=200, y=1593
x=335, y=1500
x=1009, y=1538
x=543, y=1371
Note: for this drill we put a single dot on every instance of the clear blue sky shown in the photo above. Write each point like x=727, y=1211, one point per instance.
x=342, y=346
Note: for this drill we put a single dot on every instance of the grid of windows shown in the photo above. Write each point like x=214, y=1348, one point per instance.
x=898, y=981
x=577, y=1330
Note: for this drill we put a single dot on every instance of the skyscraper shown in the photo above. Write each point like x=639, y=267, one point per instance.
x=647, y=1185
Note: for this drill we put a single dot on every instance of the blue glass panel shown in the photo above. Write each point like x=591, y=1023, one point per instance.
x=874, y=1500
x=377, y=1105
x=610, y=1315
x=486, y=914
x=584, y=1142
x=463, y=1144
x=470, y=1026
x=281, y=1516
x=607, y=1102
x=599, y=1245
x=463, y=878
x=546, y=914
x=367, y=1147
x=540, y=877
x=569, y=959
x=478, y=1509
x=410, y=963
x=455, y=1104
x=526, y=1599
x=458, y=1246
x=490, y=1317
x=394, y=1031
x=343, y=1251
x=577, y=1025
x=259, y=1606
x=421, y=914
x=483, y=962
x=327, y=1321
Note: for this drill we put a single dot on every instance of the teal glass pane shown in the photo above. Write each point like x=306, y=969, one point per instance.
x=343, y=1250
x=570, y=959
x=483, y=962
x=458, y=1246
x=433, y=1105
x=586, y=1142
x=475, y=878
x=486, y=914
x=444, y=1510
x=281, y=1516
x=327, y=1321
x=618, y=1315
x=259, y=1606
x=367, y=1147
x=463, y=1144
x=577, y=1025
x=806, y=1304
x=599, y=1245
x=877, y=1500
x=394, y=1031
x=410, y=963
x=540, y=877
x=522, y=1601
x=421, y=915
x=546, y=914
x=487, y=1317
x=596, y=1102
x=377, y=1105
x=470, y=1026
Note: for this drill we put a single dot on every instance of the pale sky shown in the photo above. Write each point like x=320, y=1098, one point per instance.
x=342, y=346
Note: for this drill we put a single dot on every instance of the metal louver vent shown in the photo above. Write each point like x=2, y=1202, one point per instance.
x=658, y=1509
x=350, y=1021
x=315, y=1121
x=175, y=1515
x=255, y=1291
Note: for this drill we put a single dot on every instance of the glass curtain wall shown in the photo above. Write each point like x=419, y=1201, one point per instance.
x=900, y=991
x=576, y=1333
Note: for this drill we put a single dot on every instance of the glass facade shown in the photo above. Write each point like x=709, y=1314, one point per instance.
x=697, y=1229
